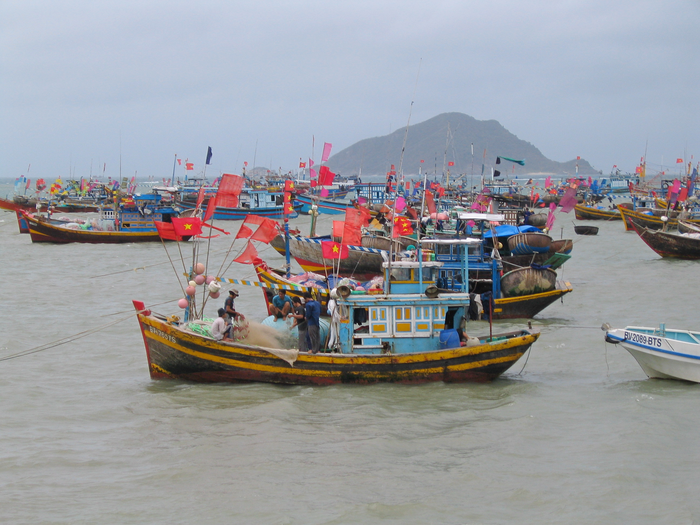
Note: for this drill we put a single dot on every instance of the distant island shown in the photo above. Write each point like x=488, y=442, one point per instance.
x=445, y=142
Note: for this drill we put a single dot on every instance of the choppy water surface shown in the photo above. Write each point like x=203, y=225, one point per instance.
x=573, y=433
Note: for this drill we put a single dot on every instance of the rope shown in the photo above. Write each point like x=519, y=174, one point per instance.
x=65, y=340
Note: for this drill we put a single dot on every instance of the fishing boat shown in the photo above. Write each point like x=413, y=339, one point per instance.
x=672, y=245
x=656, y=219
x=585, y=212
x=132, y=222
x=484, y=279
x=252, y=202
x=662, y=353
x=24, y=225
x=688, y=227
x=409, y=333
x=328, y=206
x=586, y=230
x=363, y=262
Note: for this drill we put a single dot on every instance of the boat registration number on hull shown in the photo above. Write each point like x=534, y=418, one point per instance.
x=643, y=339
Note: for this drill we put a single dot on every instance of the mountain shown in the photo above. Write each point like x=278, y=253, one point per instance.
x=454, y=132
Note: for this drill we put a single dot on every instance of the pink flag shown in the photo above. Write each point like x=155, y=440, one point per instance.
x=550, y=216
x=548, y=182
x=568, y=201
x=311, y=162
x=326, y=151
x=324, y=192
x=312, y=173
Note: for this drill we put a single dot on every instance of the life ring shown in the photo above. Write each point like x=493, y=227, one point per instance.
x=664, y=185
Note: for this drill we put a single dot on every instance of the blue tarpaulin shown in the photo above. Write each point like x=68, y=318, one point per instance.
x=506, y=230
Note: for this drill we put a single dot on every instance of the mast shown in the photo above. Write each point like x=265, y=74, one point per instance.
x=387, y=288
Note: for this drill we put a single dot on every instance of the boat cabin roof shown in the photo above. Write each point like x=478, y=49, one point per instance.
x=491, y=217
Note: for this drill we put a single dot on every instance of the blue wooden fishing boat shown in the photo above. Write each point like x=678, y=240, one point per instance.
x=252, y=202
x=409, y=332
x=327, y=206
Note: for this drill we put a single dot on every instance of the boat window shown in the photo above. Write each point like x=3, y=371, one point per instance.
x=401, y=274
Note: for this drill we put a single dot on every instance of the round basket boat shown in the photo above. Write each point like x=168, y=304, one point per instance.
x=586, y=230
x=528, y=281
x=562, y=246
x=529, y=242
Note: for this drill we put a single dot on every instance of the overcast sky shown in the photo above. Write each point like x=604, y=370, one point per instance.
x=88, y=83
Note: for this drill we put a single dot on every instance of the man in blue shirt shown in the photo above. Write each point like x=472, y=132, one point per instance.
x=281, y=305
x=313, y=318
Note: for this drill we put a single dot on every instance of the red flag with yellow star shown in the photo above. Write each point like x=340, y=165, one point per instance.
x=334, y=250
x=187, y=226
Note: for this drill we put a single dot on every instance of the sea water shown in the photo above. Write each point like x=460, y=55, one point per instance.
x=574, y=432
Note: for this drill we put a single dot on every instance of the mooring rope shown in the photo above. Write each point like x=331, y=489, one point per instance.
x=67, y=339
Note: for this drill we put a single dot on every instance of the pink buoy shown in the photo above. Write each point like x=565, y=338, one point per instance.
x=210, y=278
x=199, y=279
x=214, y=295
x=199, y=268
x=190, y=290
x=182, y=303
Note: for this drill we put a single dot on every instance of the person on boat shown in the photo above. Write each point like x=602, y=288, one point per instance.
x=281, y=305
x=313, y=320
x=230, y=307
x=334, y=312
x=526, y=215
x=299, y=316
x=220, y=329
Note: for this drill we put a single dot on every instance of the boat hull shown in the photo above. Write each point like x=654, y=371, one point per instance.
x=589, y=213
x=237, y=214
x=522, y=307
x=174, y=353
x=661, y=355
x=669, y=245
x=41, y=231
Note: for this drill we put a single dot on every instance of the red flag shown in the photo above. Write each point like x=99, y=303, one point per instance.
x=200, y=197
x=211, y=208
x=166, y=231
x=326, y=176
x=450, y=163
x=402, y=226
x=430, y=202
x=244, y=232
x=352, y=233
x=289, y=185
x=288, y=206
x=189, y=165
x=179, y=162
x=229, y=189
x=334, y=250
x=267, y=231
x=187, y=226
x=302, y=164
x=248, y=255
x=679, y=161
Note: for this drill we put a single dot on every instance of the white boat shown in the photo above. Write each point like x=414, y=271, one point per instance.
x=662, y=353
